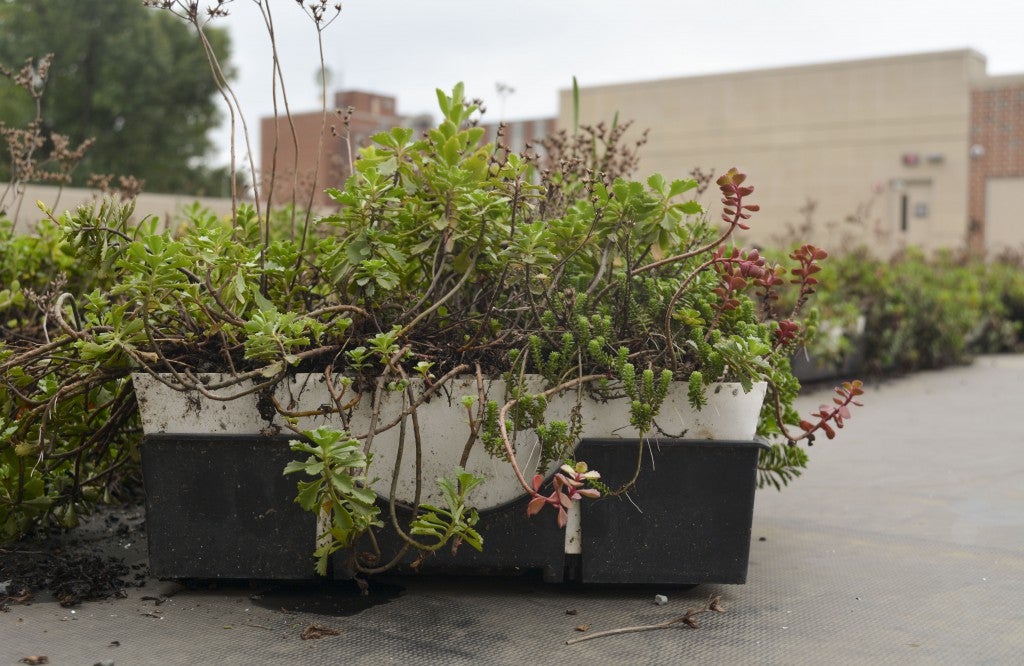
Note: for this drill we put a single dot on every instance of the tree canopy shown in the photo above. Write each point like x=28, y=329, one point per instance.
x=134, y=78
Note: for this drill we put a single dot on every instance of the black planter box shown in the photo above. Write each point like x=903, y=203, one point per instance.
x=686, y=521
x=219, y=506
x=514, y=544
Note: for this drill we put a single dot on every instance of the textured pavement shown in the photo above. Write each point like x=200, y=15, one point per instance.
x=903, y=543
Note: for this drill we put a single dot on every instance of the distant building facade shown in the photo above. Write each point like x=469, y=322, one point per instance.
x=519, y=135
x=996, y=195
x=310, y=170
x=920, y=150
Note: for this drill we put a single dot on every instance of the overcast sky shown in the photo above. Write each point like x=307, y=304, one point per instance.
x=407, y=48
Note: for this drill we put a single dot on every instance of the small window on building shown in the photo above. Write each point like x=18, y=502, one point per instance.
x=921, y=209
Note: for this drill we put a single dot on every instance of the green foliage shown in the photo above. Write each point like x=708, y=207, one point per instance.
x=695, y=392
x=338, y=489
x=68, y=430
x=457, y=519
x=128, y=76
x=35, y=264
x=921, y=312
x=646, y=394
x=779, y=464
x=490, y=435
x=446, y=255
x=1001, y=327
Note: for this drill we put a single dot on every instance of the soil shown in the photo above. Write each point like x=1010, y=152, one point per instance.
x=68, y=567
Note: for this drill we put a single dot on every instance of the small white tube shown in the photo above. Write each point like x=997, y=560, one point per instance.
x=574, y=531
x=323, y=528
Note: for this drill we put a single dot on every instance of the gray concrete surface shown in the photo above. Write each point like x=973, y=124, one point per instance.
x=903, y=543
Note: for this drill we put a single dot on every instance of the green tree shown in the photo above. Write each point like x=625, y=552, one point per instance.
x=134, y=78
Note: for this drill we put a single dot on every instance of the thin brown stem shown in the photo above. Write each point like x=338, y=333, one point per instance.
x=687, y=619
x=503, y=428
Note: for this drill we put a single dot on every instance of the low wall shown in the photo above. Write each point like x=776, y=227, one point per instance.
x=165, y=206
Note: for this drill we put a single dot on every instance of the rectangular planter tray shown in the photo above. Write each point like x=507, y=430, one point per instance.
x=218, y=506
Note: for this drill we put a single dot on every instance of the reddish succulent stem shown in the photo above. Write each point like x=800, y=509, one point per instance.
x=826, y=415
x=734, y=214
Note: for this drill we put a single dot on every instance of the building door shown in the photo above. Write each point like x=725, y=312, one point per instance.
x=911, y=212
x=1004, y=214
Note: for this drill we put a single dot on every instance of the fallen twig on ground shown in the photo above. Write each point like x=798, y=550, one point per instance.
x=689, y=618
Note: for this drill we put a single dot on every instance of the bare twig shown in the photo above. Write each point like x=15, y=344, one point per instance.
x=689, y=618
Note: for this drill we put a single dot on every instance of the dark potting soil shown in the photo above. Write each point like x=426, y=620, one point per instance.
x=68, y=566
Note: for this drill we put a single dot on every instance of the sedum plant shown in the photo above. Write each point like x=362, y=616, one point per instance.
x=445, y=258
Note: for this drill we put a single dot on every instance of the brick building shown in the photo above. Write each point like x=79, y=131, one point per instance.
x=996, y=196
x=370, y=113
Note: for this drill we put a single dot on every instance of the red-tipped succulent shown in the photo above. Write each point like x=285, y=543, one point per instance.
x=787, y=332
x=737, y=269
x=730, y=183
x=569, y=485
x=837, y=412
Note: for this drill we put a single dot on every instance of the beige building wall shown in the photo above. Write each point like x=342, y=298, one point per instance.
x=1004, y=223
x=835, y=134
x=167, y=207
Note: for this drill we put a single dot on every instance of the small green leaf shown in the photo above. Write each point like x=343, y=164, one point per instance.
x=657, y=183
x=295, y=466
x=272, y=370
x=442, y=101
x=450, y=151
x=308, y=495
x=240, y=287
x=679, y=186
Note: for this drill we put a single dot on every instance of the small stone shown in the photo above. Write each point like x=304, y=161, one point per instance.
x=660, y=599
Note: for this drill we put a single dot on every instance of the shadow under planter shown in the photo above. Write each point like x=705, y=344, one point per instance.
x=219, y=506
